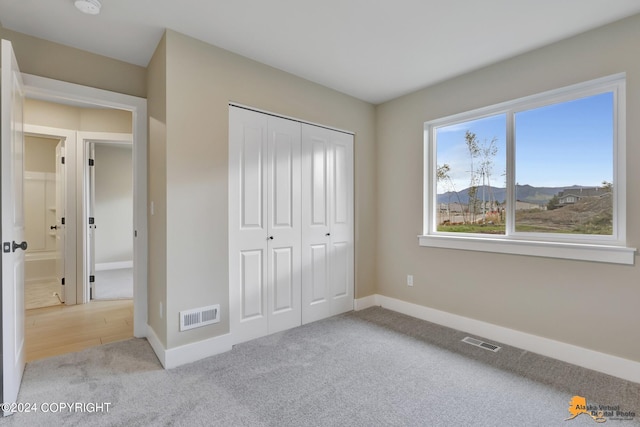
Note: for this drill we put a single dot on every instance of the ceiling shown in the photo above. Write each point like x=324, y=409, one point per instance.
x=374, y=50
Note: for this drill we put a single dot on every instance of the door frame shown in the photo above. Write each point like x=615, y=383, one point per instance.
x=85, y=139
x=62, y=92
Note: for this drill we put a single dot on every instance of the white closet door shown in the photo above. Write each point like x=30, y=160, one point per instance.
x=341, y=222
x=264, y=224
x=327, y=223
x=283, y=243
x=247, y=224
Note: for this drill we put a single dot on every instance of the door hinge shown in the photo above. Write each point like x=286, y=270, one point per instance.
x=62, y=221
x=92, y=220
x=62, y=160
x=92, y=279
x=63, y=281
x=91, y=162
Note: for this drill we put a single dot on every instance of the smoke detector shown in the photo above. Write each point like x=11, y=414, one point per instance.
x=90, y=7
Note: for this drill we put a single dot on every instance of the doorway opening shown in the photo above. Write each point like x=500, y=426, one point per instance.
x=132, y=312
x=89, y=166
x=109, y=206
x=44, y=206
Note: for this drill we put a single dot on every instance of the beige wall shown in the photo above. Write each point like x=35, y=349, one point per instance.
x=201, y=81
x=157, y=192
x=592, y=305
x=44, y=113
x=48, y=59
x=113, y=203
x=40, y=154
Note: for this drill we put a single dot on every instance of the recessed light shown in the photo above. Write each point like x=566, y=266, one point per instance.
x=91, y=7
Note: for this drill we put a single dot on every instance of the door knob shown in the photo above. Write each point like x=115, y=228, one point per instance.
x=270, y=237
x=22, y=246
x=328, y=234
x=54, y=227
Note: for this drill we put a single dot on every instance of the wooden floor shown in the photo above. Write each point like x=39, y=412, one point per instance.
x=64, y=329
x=41, y=294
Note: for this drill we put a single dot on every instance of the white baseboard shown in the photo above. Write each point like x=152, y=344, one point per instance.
x=580, y=356
x=188, y=353
x=366, y=302
x=156, y=345
x=114, y=265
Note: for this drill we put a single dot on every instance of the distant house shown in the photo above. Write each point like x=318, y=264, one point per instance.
x=452, y=207
x=573, y=195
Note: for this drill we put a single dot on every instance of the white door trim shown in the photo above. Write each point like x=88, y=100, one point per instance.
x=63, y=92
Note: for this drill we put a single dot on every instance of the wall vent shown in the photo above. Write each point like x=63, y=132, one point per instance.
x=197, y=317
x=481, y=344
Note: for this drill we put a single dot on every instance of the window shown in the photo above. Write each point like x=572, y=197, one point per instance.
x=543, y=175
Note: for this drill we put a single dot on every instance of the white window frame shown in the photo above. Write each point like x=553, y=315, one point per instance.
x=610, y=248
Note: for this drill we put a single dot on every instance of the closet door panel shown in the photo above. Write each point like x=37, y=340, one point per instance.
x=251, y=165
x=341, y=223
x=319, y=183
x=283, y=235
x=318, y=274
x=316, y=232
x=248, y=224
x=281, y=271
x=252, y=284
x=340, y=272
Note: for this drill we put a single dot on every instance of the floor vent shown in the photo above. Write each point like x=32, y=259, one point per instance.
x=197, y=317
x=482, y=344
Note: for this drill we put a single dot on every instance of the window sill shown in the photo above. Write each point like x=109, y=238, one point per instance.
x=572, y=251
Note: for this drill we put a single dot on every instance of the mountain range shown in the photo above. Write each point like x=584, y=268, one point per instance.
x=524, y=193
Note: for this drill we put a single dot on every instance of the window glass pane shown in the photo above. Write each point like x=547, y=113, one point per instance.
x=564, y=167
x=470, y=176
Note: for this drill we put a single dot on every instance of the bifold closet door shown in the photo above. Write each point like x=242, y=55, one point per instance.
x=327, y=223
x=264, y=224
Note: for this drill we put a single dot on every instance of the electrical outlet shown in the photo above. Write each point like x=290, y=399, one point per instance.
x=409, y=280
x=161, y=312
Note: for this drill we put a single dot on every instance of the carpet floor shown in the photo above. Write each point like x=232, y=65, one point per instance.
x=369, y=368
x=114, y=284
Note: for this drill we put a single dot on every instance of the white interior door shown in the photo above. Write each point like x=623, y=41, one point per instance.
x=283, y=244
x=248, y=229
x=341, y=287
x=13, y=247
x=327, y=223
x=60, y=218
x=316, y=212
x=264, y=224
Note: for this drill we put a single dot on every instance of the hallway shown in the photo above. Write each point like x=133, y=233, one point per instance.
x=51, y=331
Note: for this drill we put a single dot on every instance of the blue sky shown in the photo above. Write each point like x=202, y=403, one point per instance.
x=558, y=145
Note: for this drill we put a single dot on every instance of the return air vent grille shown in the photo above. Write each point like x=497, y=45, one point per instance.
x=197, y=317
x=481, y=344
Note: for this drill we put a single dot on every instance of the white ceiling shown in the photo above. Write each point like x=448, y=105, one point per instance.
x=374, y=50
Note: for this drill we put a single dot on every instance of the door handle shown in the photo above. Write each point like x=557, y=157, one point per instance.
x=22, y=246
x=270, y=237
x=328, y=234
x=54, y=227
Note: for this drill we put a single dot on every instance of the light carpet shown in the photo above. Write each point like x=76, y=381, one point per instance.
x=114, y=284
x=368, y=368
